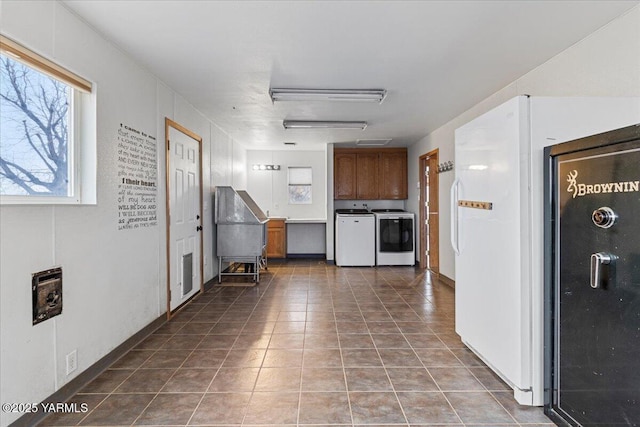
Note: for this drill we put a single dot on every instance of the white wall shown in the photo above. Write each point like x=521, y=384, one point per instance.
x=114, y=281
x=606, y=63
x=270, y=188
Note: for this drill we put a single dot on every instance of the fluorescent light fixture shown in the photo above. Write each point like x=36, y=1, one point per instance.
x=373, y=142
x=313, y=124
x=354, y=95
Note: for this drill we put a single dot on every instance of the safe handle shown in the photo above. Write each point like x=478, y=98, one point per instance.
x=597, y=261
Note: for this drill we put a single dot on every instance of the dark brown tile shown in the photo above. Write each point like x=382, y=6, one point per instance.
x=324, y=408
x=489, y=379
x=522, y=414
x=455, y=379
x=352, y=327
x=189, y=380
x=182, y=342
x=424, y=341
x=227, y=328
x=273, y=408
x=221, y=408
x=322, y=357
x=253, y=328
x=467, y=357
x=153, y=342
x=146, y=381
x=319, y=326
x=234, y=380
x=195, y=328
x=452, y=340
x=321, y=340
x=108, y=381
x=286, y=341
x=361, y=358
x=289, y=327
x=133, y=359
x=280, y=358
x=170, y=409
x=389, y=341
x=435, y=357
x=251, y=341
x=478, y=407
x=356, y=341
x=367, y=379
x=375, y=408
x=415, y=327
x=166, y=359
x=292, y=316
x=220, y=342
x=118, y=409
x=411, y=379
x=382, y=327
x=372, y=316
x=244, y=359
x=205, y=359
x=323, y=379
x=278, y=379
x=398, y=357
x=427, y=408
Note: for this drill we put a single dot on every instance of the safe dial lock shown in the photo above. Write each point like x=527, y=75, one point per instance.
x=604, y=217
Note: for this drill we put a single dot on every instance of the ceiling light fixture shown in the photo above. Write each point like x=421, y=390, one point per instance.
x=373, y=142
x=314, y=124
x=356, y=95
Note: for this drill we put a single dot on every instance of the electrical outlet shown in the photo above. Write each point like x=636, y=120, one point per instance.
x=72, y=361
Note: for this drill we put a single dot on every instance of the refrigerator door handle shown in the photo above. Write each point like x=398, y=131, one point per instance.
x=454, y=215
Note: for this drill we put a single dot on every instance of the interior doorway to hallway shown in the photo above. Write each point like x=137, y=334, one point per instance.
x=429, y=221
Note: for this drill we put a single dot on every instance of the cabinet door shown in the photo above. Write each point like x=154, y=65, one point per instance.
x=367, y=176
x=276, y=239
x=393, y=175
x=344, y=176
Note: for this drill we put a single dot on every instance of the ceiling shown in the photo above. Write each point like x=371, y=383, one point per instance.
x=436, y=59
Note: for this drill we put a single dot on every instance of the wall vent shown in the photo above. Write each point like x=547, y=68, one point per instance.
x=46, y=294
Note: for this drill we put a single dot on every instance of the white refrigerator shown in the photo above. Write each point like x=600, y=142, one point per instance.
x=497, y=229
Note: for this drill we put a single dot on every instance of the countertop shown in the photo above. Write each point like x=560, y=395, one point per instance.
x=300, y=220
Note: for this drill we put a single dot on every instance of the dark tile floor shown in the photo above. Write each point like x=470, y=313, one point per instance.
x=311, y=344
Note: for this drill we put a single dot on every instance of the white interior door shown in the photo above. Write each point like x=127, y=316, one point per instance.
x=185, y=222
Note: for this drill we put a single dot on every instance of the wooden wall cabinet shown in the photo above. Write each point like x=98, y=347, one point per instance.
x=367, y=176
x=276, y=238
x=392, y=168
x=370, y=174
x=344, y=176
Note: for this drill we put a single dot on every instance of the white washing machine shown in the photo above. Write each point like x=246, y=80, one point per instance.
x=395, y=237
x=355, y=238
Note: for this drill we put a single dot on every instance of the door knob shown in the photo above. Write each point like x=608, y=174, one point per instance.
x=597, y=261
x=198, y=228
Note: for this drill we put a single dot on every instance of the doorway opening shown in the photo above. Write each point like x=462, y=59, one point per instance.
x=184, y=215
x=429, y=222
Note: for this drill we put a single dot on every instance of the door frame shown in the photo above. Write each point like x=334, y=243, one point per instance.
x=434, y=197
x=168, y=124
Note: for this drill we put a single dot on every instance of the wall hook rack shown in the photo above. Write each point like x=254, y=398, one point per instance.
x=445, y=167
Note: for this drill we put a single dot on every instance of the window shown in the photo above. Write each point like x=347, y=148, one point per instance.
x=39, y=111
x=300, y=180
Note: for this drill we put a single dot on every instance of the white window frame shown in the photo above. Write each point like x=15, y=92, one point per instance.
x=81, y=138
x=299, y=184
